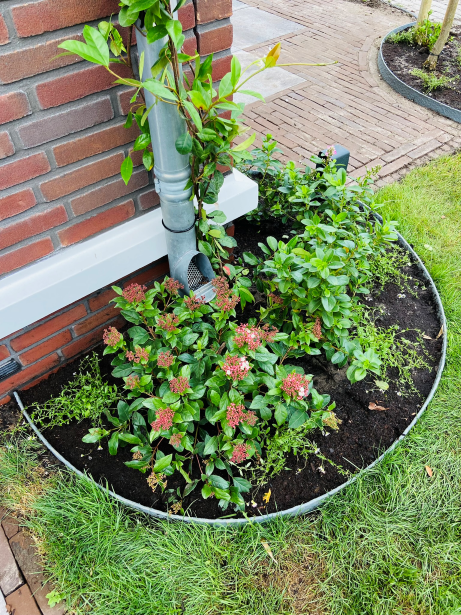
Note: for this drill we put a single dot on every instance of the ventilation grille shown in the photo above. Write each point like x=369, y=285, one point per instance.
x=8, y=368
x=195, y=278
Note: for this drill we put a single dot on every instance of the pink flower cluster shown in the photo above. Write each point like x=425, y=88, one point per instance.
x=331, y=151
x=172, y=286
x=317, y=329
x=240, y=453
x=168, y=322
x=134, y=293
x=296, y=386
x=111, y=336
x=276, y=299
x=236, y=414
x=175, y=439
x=165, y=359
x=179, y=384
x=236, y=367
x=254, y=336
x=141, y=354
x=193, y=303
x=132, y=382
x=247, y=335
x=225, y=299
x=164, y=419
x=268, y=333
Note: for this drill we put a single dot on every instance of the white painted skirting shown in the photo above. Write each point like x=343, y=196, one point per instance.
x=74, y=272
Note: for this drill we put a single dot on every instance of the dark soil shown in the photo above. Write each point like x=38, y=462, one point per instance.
x=362, y=436
x=402, y=59
x=376, y=4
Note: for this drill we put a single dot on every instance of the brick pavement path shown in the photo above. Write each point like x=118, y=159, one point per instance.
x=346, y=103
x=22, y=584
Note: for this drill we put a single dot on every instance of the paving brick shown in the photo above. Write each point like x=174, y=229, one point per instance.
x=214, y=39
x=38, y=333
x=96, y=143
x=6, y=145
x=21, y=170
x=61, y=124
x=76, y=85
x=28, y=373
x=211, y=10
x=4, y=36
x=25, y=255
x=34, y=59
x=26, y=555
x=21, y=602
x=10, y=575
x=46, y=348
x=82, y=176
x=10, y=524
x=425, y=148
x=394, y=166
x=399, y=151
x=32, y=225
x=88, y=341
x=81, y=230
x=3, y=401
x=149, y=199
x=109, y=192
x=13, y=106
x=31, y=19
x=16, y=203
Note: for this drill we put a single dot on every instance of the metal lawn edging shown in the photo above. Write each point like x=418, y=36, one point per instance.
x=406, y=90
x=301, y=508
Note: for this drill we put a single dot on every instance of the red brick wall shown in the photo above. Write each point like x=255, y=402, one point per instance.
x=61, y=144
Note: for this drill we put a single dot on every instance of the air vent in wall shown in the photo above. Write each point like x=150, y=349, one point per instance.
x=8, y=368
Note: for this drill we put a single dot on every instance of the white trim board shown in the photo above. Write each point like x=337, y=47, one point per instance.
x=68, y=275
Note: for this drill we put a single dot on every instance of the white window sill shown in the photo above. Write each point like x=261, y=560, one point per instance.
x=42, y=288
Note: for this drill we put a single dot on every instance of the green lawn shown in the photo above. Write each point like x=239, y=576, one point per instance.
x=390, y=544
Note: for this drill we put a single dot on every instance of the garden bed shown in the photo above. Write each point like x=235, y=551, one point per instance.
x=402, y=59
x=364, y=432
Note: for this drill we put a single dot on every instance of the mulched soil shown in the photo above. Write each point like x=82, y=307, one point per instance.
x=376, y=4
x=362, y=436
x=402, y=59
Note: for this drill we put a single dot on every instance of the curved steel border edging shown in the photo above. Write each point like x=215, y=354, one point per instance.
x=406, y=90
x=301, y=508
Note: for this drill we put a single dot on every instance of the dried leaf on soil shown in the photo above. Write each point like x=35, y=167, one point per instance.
x=440, y=333
x=373, y=406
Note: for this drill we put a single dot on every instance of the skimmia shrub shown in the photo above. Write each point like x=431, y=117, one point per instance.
x=313, y=281
x=203, y=393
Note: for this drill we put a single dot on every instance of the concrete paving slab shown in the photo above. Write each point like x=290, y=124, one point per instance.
x=3, y=610
x=237, y=5
x=267, y=83
x=253, y=26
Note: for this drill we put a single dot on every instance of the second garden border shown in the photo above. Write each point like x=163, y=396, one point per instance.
x=406, y=90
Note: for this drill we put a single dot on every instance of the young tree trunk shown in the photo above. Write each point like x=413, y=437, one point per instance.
x=424, y=10
x=431, y=62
